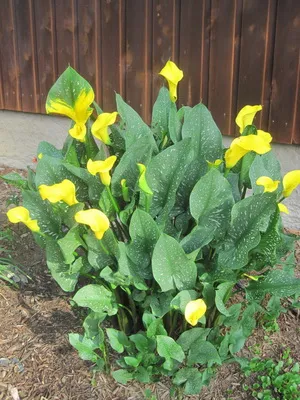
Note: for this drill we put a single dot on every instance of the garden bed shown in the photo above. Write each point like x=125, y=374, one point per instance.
x=38, y=363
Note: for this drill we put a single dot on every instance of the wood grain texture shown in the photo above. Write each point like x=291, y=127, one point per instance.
x=113, y=52
x=224, y=61
x=194, y=51
x=232, y=52
x=10, y=83
x=45, y=48
x=138, y=56
x=165, y=39
x=285, y=79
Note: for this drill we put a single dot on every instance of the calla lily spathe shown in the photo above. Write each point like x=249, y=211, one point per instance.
x=102, y=168
x=246, y=116
x=194, y=310
x=173, y=75
x=242, y=145
x=283, y=208
x=100, y=126
x=143, y=185
x=290, y=181
x=21, y=214
x=268, y=184
x=63, y=191
x=95, y=219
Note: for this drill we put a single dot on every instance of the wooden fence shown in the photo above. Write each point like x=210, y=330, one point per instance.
x=233, y=53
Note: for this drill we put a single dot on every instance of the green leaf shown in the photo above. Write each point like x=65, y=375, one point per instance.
x=203, y=352
x=97, y=298
x=208, y=294
x=170, y=350
x=211, y=202
x=142, y=375
x=276, y=282
x=68, y=217
x=249, y=218
x=117, y=339
x=70, y=242
x=160, y=113
x=160, y=303
x=187, y=338
x=132, y=361
x=141, y=342
x=144, y=234
x=180, y=301
x=136, y=128
x=138, y=152
x=122, y=376
x=174, y=124
x=15, y=179
x=66, y=90
x=48, y=222
x=192, y=379
x=222, y=294
x=96, y=255
x=91, y=326
x=264, y=165
x=156, y=327
x=59, y=270
x=171, y=267
x=48, y=149
x=84, y=346
x=164, y=174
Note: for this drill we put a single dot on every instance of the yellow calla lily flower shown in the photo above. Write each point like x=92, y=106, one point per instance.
x=95, y=219
x=63, y=191
x=194, y=310
x=21, y=214
x=268, y=183
x=79, y=112
x=242, y=145
x=100, y=126
x=173, y=75
x=102, y=168
x=290, y=181
x=142, y=180
x=283, y=208
x=246, y=116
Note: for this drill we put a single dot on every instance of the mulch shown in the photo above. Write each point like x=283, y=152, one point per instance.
x=38, y=363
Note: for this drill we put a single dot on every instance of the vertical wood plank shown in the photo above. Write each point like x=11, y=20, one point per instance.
x=9, y=58
x=296, y=119
x=165, y=38
x=113, y=51
x=285, y=72
x=194, y=51
x=87, y=40
x=46, y=47
x=66, y=34
x=25, y=24
x=138, y=55
x=256, y=57
x=224, y=58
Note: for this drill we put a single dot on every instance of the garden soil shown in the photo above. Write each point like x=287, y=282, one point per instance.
x=37, y=362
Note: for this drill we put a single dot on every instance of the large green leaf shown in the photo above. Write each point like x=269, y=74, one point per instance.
x=164, y=174
x=170, y=350
x=206, y=144
x=180, y=301
x=84, y=346
x=264, y=165
x=144, y=234
x=48, y=221
x=60, y=271
x=15, y=179
x=97, y=257
x=211, y=202
x=171, y=267
x=222, y=296
x=45, y=148
x=140, y=151
x=277, y=282
x=160, y=113
x=70, y=242
x=191, y=377
x=135, y=127
x=117, y=339
x=187, y=338
x=203, y=352
x=97, y=298
x=249, y=218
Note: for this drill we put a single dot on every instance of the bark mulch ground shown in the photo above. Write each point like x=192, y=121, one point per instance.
x=37, y=362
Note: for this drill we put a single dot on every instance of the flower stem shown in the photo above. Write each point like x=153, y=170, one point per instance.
x=113, y=200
